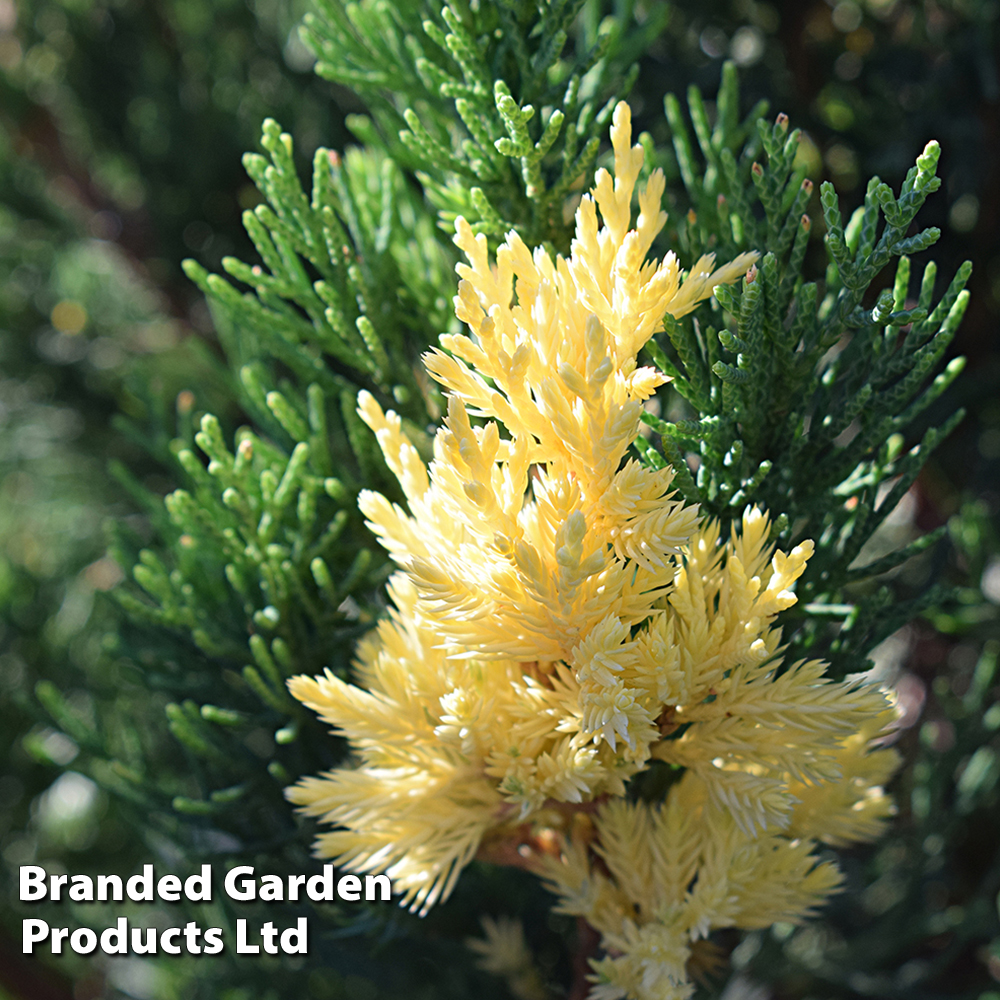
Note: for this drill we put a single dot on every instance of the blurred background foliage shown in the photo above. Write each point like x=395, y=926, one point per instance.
x=122, y=125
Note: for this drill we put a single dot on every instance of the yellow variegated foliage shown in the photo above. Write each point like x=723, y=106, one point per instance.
x=561, y=621
x=671, y=873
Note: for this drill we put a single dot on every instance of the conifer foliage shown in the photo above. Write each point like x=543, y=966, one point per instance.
x=626, y=597
x=544, y=651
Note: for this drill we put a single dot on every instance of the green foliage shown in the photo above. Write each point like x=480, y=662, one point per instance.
x=80, y=329
x=911, y=920
x=352, y=287
x=815, y=389
x=499, y=114
x=804, y=400
x=349, y=292
x=98, y=204
x=139, y=113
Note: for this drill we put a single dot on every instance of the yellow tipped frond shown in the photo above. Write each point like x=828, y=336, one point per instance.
x=562, y=622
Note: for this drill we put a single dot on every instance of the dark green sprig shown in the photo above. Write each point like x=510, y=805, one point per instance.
x=446, y=112
x=806, y=394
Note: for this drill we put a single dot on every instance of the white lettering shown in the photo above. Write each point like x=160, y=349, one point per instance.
x=32, y=884
x=191, y=934
x=169, y=889
x=114, y=941
x=198, y=888
x=268, y=933
x=81, y=889
x=213, y=941
x=320, y=887
x=349, y=888
x=272, y=889
x=83, y=940
x=140, y=887
x=32, y=930
x=382, y=881
x=245, y=893
x=56, y=882
x=112, y=882
x=149, y=948
x=295, y=940
x=167, y=938
x=242, y=948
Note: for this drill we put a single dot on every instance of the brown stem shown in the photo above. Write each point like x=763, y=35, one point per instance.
x=506, y=851
x=588, y=941
x=519, y=847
